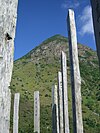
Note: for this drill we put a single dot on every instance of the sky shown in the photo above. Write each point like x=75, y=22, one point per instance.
x=38, y=20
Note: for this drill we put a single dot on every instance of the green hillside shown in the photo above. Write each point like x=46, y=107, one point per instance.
x=38, y=71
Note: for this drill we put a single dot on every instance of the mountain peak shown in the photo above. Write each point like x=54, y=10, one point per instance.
x=55, y=37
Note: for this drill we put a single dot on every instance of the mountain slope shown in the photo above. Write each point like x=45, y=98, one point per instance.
x=38, y=71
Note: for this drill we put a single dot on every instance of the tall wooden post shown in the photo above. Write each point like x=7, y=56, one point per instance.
x=65, y=93
x=96, y=23
x=8, y=17
x=55, y=116
x=36, y=112
x=75, y=74
x=60, y=96
x=16, y=113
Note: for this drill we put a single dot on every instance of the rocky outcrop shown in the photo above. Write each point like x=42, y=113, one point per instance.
x=8, y=15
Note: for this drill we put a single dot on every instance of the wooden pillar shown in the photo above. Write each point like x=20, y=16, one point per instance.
x=60, y=96
x=96, y=23
x=65, y=93
x=16, y=113
x=36, y=112
x=75, y=74
x=55, y=116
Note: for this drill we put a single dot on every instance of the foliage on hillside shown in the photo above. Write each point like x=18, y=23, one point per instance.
x=38, y=71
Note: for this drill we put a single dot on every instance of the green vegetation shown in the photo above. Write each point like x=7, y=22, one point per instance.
x=38, y=71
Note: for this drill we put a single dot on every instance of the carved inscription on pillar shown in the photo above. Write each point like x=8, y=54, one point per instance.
x=36, y=112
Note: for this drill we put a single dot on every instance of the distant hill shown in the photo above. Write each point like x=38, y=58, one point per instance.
x=38, y=69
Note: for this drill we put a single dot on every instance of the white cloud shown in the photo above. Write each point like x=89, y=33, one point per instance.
x=85, y=21
x=69, y=4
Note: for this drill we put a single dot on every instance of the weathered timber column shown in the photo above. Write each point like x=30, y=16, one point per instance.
x=55, y=116
x=60, y=96
x=96, y=22
x=75, y=74
x=16, y=113
x=65, y=93
x=8, y=17
x=36, y=112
